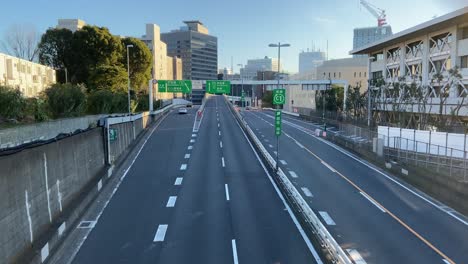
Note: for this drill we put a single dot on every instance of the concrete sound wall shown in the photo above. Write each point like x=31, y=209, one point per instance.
x=37, y=184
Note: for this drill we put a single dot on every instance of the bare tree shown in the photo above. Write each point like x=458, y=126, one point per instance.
x=21, y=41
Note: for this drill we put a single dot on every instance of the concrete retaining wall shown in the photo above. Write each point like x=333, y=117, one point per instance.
x=37, y=184
x=45, y=188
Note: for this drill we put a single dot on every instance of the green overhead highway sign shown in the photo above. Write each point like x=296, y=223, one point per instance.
x=174, y=86
x=218, y=87
x=279, y=96
x=278, y=122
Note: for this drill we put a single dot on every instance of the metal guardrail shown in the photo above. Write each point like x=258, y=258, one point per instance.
x=326, y=240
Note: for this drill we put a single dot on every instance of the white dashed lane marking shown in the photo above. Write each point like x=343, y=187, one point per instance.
x=178, y=181
x=160, y=233
x=171, y=202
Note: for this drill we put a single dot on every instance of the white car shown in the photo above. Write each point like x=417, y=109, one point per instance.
x=182, y=110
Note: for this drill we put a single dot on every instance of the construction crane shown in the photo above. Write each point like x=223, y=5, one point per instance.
x=376, y=12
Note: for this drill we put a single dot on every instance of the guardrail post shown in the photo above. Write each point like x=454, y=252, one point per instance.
x=438, y=157
x=451, y=161
x=108, y=143
x=428, y=152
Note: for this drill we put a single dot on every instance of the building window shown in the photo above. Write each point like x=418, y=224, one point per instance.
x=339, y=75
x=464, y=33
x=359, y=74
x=354, y=74
x=464, y=61
x=365, y=73
x=329, y=75
x=334, y=75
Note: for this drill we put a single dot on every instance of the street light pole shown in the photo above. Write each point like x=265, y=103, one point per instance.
x=242, y=83
x=279, y=45
x=128, y=72
x=369, y=73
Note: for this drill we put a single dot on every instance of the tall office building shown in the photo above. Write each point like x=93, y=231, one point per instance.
x=249, y=72
x=310, y=60
x=197, y=49
x=364, y=36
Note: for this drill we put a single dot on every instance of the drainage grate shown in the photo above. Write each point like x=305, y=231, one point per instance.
x=87, y=224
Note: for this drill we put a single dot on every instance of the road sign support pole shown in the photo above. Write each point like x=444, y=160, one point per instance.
x=277, y=145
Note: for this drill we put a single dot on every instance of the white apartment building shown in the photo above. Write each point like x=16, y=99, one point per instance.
x=352, y=70
x=28, y=77
x=417, y=56
x=249, y=72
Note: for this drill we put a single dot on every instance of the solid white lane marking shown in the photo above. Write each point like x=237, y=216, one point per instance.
x=190, y=147
x=270, y=145
x=372, y=201
x=221, y=144
x=266, y=140
x=280, y=195
x=192, y=141
x=356, y=256
x=218, y=124
x=187, y=156
x=299, y=144
x=160, y=233
x=306, y=192
x=219, y=133
x=328, y=166
x=194, y=135
x=171, y=202
x=283, y=162
x=275, y=152
x=326, y=217
x=226, y=188
x=183, y=167
x=262, y=135
x=293, y=174
x=445, y=261
x=222, y=161
x=178, y=181
x=234, y=251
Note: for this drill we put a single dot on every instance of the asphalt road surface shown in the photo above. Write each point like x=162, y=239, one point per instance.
x=373, y=216
x=197, y=197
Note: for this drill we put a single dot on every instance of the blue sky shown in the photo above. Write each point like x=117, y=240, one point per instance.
x=243, y=27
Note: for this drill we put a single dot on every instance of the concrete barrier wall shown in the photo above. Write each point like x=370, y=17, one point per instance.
x=37, y=184
x=19, y=135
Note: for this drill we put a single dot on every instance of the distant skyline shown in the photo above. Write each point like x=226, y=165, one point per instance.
x=244, y=28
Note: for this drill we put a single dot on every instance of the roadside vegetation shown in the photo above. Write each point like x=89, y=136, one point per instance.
x=91, y=66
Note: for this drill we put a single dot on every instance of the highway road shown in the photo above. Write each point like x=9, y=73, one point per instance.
x=197, y=197
x=370, y=214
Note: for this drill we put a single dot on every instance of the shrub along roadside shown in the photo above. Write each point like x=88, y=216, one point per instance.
x=66, y=100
